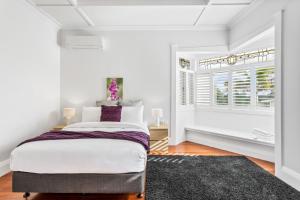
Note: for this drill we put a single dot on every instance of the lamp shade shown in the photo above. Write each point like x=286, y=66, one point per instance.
x=157, y=112
x=69, y=113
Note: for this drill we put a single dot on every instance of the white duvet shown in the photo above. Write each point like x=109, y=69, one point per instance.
x=83, y=155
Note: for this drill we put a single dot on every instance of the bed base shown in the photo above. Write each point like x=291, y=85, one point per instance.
x=78, y=183
x=27, y=194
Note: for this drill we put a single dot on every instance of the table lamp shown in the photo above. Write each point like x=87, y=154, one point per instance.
x=157, y=113
x=69, y=113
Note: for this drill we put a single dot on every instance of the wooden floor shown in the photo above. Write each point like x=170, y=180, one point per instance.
x=183, y=148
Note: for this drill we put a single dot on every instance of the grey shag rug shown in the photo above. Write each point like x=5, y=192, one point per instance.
x=212, y=178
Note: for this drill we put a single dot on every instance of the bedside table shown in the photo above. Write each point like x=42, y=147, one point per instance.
x=158, y=133
x=58, y=127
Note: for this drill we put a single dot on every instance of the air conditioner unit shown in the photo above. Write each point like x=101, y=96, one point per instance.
x=84, y=42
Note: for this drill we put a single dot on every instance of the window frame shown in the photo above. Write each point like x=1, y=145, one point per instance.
x=209, y=88
x=213, y=96
x=252, y=108
x=257, y=83
x=187, y=105
x=248, y=106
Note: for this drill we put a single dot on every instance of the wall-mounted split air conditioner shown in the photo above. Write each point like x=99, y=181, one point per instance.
x=83, y=42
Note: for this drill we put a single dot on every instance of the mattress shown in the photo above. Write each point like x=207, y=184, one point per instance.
x=76, y=156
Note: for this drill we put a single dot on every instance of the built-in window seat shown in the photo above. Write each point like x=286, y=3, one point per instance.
x=230, y=140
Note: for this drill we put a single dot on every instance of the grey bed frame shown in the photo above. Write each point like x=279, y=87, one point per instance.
x=79, y=183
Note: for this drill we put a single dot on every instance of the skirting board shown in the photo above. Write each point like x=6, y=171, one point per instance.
x=4, y=167
x=289, y=176
x=241, y=147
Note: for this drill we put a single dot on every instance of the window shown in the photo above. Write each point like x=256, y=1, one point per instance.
x=249, y=86
x=191, y=87
x=182, y=88
x=265, y=86
x=185, y=81
x=241, y=88
x=185, y=63
x=244, y=81
x=221, y=88
x=203, y=89
x=238, y=81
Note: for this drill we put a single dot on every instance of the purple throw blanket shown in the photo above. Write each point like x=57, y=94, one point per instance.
x=134, y=136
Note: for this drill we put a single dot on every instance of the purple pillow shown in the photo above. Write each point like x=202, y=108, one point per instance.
x=111, y=113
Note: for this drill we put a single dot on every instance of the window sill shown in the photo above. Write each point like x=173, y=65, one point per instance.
x=190, y=107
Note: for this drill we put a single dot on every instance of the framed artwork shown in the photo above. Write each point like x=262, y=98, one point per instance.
x=114, y=89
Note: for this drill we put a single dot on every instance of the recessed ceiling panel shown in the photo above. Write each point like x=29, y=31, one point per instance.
x=220, y=14
x=141, y=2
x=232, y=2
x=66, y=15
x=143, y=15
x=51, y=2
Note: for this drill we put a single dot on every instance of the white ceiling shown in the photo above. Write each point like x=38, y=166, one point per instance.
x=143, y=14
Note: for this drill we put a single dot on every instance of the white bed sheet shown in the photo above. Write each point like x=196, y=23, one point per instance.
x=105, y=156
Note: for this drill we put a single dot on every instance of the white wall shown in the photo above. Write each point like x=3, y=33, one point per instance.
x=254, y=22
x=142, y=58
x=237, y=121
x=291, y=91
x=29, y=75
x=184, y=118
x=287, y=150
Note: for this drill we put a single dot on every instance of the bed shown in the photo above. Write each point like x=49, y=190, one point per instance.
x=82, y=165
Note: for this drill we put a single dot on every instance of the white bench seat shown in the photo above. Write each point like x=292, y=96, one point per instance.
x=230, y=140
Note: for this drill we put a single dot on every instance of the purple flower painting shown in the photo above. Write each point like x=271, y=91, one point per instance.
x=114, y=89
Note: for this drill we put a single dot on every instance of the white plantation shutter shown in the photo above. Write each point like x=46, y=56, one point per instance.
x=203, y=89
x=221, y=88
x=182, y=88
x=191, y=87
x=265, y=86
x=241, y=88
x=247, y=85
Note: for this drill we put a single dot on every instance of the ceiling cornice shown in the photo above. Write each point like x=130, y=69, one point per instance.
x=44, y=13
x=242, y=15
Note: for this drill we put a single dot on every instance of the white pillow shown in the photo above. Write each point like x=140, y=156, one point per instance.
x=91, y=114
x=132, y=114
x=106, y=103
x=131, y=102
